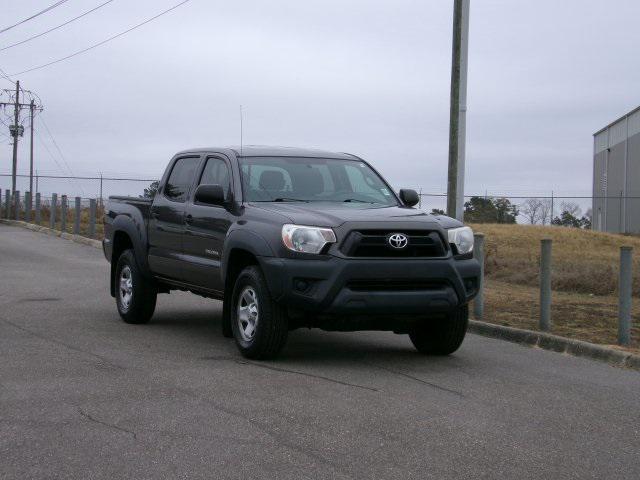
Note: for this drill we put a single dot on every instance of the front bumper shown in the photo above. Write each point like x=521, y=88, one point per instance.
x=335, y=286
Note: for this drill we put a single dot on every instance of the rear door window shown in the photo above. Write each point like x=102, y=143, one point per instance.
x=181, y=179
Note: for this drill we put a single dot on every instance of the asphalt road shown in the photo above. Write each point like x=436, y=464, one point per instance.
x=83, y=395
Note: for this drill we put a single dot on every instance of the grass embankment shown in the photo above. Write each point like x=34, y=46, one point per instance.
x=84, y=220
x=584, y=280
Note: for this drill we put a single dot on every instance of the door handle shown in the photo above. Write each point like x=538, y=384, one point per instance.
x=154, y=215
x=188, y=218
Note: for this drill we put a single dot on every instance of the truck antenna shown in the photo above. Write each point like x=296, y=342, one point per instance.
x=241, y=130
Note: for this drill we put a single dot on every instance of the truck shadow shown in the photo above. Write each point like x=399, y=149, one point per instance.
x=202, y=327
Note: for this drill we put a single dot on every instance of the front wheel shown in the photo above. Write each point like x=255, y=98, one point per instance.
x=135, y=296
x=441, y=337
x=260, y=325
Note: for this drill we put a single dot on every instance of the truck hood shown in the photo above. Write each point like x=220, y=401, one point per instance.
x=332, y=214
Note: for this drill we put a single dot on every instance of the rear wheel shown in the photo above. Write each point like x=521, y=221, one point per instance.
x=441, y=337
x=260, y=326
x=135, y=296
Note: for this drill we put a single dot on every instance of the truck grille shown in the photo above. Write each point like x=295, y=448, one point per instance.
x=375, y=243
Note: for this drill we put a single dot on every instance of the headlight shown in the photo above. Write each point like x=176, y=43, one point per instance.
x=301, y=238
x=462, y=238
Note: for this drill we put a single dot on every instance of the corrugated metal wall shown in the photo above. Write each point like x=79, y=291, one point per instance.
x=616, y=176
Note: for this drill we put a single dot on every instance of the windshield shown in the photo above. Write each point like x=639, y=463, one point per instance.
x=290, y=179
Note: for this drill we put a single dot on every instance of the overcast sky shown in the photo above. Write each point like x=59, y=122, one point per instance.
x=367, y=77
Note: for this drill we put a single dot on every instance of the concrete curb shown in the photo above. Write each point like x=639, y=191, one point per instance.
x=55, y=233
x=547, y=341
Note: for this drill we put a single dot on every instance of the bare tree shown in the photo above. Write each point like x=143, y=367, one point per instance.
x=571, y=208
x=589, y=214
x=545, y=211
x=530, y=208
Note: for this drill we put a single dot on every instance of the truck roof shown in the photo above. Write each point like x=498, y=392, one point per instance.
x=274, y=151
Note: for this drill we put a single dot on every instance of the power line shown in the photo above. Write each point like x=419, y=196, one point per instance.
x=6, y=77
x=92, y=178
x=56, y=161
x=53, y=140
x=103, y=41
x=57, y=27
x=50, y=7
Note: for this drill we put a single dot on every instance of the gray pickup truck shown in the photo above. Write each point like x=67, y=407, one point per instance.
x=291, y=238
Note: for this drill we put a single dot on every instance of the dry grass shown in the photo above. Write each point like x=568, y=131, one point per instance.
x=84, y=220
x=583, y=261
x=585, y=278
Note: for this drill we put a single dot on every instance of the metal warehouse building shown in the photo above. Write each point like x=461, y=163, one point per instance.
x=616, y=175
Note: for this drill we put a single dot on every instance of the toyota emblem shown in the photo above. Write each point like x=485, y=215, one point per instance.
x=398, y=240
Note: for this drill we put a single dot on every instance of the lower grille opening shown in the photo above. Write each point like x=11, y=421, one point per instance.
x=393, y=285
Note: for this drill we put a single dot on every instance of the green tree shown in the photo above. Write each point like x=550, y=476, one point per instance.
x=570, y=217
x=489, y=210
x=151, y=190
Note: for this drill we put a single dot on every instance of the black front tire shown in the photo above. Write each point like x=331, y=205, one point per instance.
x=272, y=325
x=142, y=302
x=443, y=336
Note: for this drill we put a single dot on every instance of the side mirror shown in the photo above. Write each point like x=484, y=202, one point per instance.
x=210, y=195
x=409, y=197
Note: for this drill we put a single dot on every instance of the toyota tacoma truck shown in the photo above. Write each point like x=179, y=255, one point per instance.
x=290, y=238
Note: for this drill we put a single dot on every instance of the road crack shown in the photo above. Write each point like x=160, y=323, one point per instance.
x=106, y=424
x=58, y=342
x=416, y=379
x=310, y=375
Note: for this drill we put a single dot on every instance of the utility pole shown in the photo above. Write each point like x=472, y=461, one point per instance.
x=458, y=110
x=32, y=107
x=16, y=115
x=16, y=130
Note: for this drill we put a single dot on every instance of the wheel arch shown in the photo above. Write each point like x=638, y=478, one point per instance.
x=127, y=236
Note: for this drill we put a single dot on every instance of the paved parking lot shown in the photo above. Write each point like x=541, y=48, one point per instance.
x=83, y=395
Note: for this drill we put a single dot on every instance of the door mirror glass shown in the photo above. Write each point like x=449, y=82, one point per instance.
x=409, y=197
x=210, y=195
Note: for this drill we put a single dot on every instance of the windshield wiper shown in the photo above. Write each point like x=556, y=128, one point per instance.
x=357, y=200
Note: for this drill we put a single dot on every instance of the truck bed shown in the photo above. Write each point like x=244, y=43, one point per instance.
x=141, y=203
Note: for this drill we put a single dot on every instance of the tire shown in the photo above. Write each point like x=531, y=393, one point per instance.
x=441, y=337
x=137, y=304
x=251, y=304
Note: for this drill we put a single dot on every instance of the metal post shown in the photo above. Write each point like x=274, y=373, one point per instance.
x=76, y=216
x=32, y=107
x=52, y=211
x=92, y=217
x=63, y=214
x=478, y=251
x=38, y=210
x=625, y=292
x=27, y=206
x=16, y=122
x=100, y=188
x=458, y=109
x=545, y=285
x=7, y=204
x=16, y=201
